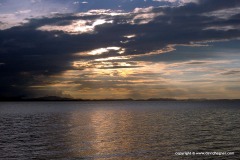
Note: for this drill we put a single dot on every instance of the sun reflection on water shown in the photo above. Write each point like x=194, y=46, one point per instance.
x=108, y=128
x=100, y=132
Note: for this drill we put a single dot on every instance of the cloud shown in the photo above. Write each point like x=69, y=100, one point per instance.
x=13, y=13
x=111, y=42
x=223, y=13
x=178, y=1
x=231, y=72
x=76, y=27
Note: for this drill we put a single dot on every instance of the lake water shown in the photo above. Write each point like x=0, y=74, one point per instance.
x=119, y=130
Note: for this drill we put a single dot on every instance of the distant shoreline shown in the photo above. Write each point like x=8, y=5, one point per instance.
x=60, y=99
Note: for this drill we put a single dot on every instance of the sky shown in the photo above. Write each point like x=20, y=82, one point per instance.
x=119, y=49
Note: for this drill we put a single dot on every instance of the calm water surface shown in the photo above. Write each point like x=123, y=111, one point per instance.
x=118, y=130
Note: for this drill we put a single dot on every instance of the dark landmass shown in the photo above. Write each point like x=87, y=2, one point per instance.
x=55, y=98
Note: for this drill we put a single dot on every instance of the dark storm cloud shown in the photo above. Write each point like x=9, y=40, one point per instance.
x=28, y=52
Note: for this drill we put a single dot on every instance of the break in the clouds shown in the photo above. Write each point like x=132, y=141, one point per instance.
x=125, y=49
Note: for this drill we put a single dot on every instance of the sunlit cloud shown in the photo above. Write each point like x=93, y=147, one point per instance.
x=109, y=63
x=60, y=84
x=178, y=80
x=112, y=58
x=77, y=26
x=144, y=15
x=130, y=36
x=102, y=12
x=100, y=51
